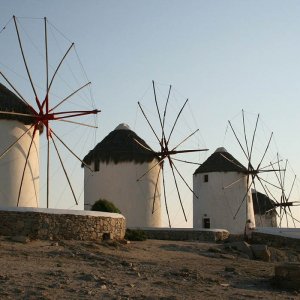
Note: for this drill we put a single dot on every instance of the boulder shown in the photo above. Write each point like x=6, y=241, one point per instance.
x=242, y=247
x=261, y=252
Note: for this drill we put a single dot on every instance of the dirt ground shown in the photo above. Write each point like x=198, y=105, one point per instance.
x=150, y=269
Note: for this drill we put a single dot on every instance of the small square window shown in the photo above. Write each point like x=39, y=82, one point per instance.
x=206, y=223
x=206, y=178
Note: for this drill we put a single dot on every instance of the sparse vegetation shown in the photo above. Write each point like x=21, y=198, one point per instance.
x=135, y=235
x=105, y=205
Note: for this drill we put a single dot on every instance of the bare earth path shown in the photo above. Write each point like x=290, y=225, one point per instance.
x=139, y=270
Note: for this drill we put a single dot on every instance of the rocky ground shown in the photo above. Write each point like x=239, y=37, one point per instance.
x=150, y=269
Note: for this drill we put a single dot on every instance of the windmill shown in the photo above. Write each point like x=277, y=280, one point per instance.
x=168, y=150
x=265, y=169
x=287, y=181
x=45, y=101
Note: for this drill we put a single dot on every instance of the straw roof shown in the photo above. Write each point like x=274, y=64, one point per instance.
x=262, y=203
x=221, y=161
x=121, y=145
x=12, y=103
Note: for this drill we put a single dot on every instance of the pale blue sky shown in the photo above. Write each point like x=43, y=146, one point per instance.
x=223, y=55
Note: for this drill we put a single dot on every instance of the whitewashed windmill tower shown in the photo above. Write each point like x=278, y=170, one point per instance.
x=221, y=185
x=117, y=161
x=16, y=130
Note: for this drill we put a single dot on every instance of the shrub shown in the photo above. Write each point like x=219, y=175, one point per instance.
x=135, y=235
x=104, y=205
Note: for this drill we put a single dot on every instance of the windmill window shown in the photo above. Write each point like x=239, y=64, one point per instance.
x=206, y=178
x=206, y=222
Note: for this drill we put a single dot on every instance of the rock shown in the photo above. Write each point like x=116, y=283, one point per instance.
x=261, y=252
x=20, y=239
x=225, y=284
x=244, y=255
x=214, y=250
x=227, y=256
x=242, y=247
x=287, y=275
x=103, y=287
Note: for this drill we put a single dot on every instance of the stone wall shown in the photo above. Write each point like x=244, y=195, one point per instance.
x=275, y=240
x=44, y=226
x=186, y=234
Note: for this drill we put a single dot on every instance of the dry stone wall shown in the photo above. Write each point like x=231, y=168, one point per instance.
x=37, y=225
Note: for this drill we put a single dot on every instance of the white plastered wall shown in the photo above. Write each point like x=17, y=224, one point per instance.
x=118, y=184
x=220, y=204
x=12, y=165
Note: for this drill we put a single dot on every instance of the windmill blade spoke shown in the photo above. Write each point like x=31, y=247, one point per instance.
x=60, y=63
x=186, y=161
x=147, y=148
x=69, y=96
x=69, y=149
x=15, y=142
x=272, y=164
x=231, y=161
x=155, y=189
x=265, y=152
x=25, y=62
x=171, y=152
x=64, y=169
x=46, y=53
x=165, y=196
x=185, y=139
x=233, y=183
x=78, y=123
x=149, y=124
x=292, y=187
x=292, y=216
x=158, y=112
x=245, y=196
x=72, y=114
x=297, y=220
x=17, y=114
x=270, y=183
x=280, y=177
x=48, y=168
x=24, y=169
x=257, y=202
x=15, y=90
x=239, y=142
x=166, y=105
x=272, y=195
x=286, y=216
x=183, y=179
x=177, y=120
x=275, y=200
x=253, y=138
x=245, y=134
x=159, y=162
x=177, y=189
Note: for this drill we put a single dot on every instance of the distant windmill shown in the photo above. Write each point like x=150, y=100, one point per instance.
x=263, y=172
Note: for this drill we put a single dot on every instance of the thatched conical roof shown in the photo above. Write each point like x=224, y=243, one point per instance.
x=9, y=102
x=121, y=145
x=221, y=161
x=262, y=203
